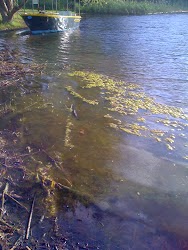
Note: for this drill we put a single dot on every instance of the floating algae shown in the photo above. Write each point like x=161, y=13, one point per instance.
x=127, y=99
x=68, y=130
x=72, y=92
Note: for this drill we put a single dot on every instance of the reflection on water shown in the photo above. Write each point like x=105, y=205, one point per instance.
x=137, y=186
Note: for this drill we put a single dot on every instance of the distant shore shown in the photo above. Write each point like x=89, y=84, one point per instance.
x=133, y=7
x=18, y=24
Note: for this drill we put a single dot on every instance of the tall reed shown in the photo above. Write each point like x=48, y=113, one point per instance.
x=123, y=7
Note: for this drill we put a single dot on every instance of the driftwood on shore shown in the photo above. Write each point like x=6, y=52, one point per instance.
x=21, y=213
x=29, y=195
x=12, y=71
x=17, y=184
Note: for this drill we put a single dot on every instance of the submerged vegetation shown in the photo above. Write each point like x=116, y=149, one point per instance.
x=139, y=113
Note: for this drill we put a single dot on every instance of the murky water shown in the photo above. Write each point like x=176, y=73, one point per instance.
x=131, y=161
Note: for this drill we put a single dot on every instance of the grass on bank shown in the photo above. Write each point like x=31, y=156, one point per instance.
x=122, y=7
x=16, y=23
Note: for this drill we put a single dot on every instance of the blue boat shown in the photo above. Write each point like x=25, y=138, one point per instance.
x=48, y=21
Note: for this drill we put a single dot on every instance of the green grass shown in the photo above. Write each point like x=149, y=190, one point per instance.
x=122, y=7
x=16, y=23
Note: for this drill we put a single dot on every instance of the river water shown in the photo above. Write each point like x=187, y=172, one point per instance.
x=128, y=149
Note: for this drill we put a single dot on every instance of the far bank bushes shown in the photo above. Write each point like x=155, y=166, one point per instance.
x=123, y=7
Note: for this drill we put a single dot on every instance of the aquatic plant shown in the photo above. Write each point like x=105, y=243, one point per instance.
x=141, y=110
x=69, y=125
x=75, y=94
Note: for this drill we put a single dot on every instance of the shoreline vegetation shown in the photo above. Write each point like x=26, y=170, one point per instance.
x=23, y=189
x=133, y=7
x=16, y=23
x=110, y=7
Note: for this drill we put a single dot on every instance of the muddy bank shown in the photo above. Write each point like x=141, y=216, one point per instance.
x=24, y=222
x=29, y=194
x=13, y=71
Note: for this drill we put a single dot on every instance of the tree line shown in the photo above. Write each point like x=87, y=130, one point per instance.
x=9, y=7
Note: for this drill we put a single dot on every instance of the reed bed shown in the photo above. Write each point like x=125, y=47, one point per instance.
x=122, y=7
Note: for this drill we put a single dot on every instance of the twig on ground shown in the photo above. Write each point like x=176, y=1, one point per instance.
x=3, y=199
x=12, y=198
x=28, y=248
x=19, y=240
x=5, y=223
x=30, y=219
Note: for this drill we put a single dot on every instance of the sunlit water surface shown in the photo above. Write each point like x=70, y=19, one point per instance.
x=137, y=184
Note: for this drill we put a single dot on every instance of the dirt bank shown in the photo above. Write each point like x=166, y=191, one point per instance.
x=22, y=191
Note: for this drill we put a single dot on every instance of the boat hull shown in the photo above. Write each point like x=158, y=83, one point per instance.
x=46, y=23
